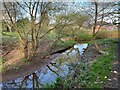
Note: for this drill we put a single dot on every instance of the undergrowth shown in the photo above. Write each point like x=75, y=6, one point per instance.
x=89, y=75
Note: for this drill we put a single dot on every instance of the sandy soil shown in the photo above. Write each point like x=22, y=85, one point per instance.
x=16, y=66
x=26, y=68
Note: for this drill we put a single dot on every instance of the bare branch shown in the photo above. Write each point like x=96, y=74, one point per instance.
x=52, y=70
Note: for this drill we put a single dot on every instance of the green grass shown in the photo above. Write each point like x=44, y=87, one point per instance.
x=101, y=67
x=80, y=36
x=107, y=34
x=2, y=69
x=84, y=37
x=9, y=38
x=92, y=76
x=10, y=34
x=52, y=35
x=67, y=43
x=105, y=41
x=0, y=26
x=1, y=62
x=57, y=84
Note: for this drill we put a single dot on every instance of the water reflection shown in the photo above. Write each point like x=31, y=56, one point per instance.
x=57, y=67
x=79, y=48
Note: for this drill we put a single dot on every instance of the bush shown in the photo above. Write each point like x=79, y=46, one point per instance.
x=67, y=43
x=9, y=38
x=83, y=37
x=107, y=34
x=92, y=76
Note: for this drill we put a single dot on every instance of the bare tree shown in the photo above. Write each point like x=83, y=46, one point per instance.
x=98, y=11
x=38, y=13
x=72, y=22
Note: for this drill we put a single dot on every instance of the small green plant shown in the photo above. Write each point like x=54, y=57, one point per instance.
x=2, y=67
x=107, y=34
x=84, y=37
x=100, y=68
x=17, y=68
x=57, y=84
x=67, y=43
x=26, y=60
x=10, y=34
x=90, y=75
x=2, y=60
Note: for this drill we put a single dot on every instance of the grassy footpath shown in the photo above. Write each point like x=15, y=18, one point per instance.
x=93, y=75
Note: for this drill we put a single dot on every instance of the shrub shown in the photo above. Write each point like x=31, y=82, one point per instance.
x=83, y=37
x=67, y=43
x=107, y=34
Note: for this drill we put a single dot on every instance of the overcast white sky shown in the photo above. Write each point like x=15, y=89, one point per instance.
x=61, y=0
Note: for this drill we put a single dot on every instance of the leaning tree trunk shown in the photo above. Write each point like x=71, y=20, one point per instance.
x=94, y=28
x=95, y=42
x=96, y=45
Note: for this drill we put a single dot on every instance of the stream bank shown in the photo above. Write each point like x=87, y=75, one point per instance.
x=92, y=70
x=59, y=66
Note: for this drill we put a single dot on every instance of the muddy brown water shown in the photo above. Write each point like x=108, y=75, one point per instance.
x=59, y=67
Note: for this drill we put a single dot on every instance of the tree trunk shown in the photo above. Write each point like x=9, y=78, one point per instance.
x=26, y=50
x=95, y=43
x=96, y=46
x=94, y=29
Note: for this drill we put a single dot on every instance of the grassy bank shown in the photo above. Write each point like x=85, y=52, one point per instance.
x=93, y=75
x=9, y=38
x=101, y=67
x=107, y=34
x=85, y=75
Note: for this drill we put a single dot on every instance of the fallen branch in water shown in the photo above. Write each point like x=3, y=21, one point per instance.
x=52, y=70
x=54, y=64
x=59, y=51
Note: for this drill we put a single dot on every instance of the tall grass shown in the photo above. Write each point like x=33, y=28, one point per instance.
x=107, y=34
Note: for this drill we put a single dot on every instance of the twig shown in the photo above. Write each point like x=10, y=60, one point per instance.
x=52, y=70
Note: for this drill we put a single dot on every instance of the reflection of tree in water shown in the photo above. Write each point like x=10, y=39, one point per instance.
x=34, y=80
x=66, y=56
x=77, y=50
x=10, y=84
x=24, y=81
x=61, y=60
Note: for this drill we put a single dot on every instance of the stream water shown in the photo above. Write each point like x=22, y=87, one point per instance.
x=48, y=74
